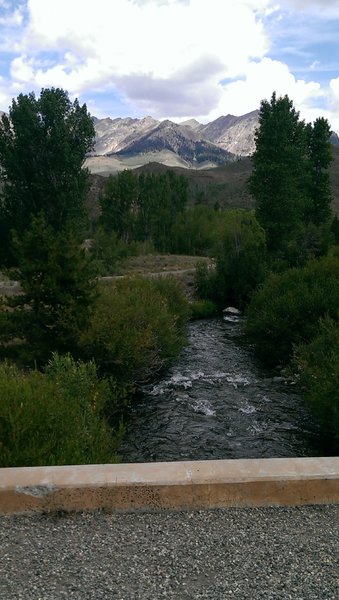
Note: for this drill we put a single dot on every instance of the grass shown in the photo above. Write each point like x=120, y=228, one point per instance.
x=159, y=263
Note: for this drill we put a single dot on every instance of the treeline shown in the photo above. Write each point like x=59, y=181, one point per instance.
x=143, y=207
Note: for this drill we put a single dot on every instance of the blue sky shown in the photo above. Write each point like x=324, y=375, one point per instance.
x=174, y=59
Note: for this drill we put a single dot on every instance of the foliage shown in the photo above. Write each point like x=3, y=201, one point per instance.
x=196, y=231
x=109, y=253
x=203, y=309
x=286, y=310
x=290, y=181
x=204, y=281
x=318, y=364
x=319, y=154
x=137, y=328
x=58, y=290
x=43, y=143
x=240, y=256
x=241, y=260
x=143, y=207
x=55, y=418
x=335, y=229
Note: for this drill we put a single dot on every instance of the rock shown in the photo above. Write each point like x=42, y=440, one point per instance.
x=230, y=310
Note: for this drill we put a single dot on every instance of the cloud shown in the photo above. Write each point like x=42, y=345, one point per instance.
x=321, y=8
x=192, y=90
x=13, y=19
x=334, y=100
x=129, y=43
x=262, y=78
x=170, y=58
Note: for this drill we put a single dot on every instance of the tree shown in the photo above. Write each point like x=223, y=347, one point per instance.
x=240, y=253
x=119, y=204
x=43, y=144
x=290, y=182
x=143, y=207
x=286, y=309
x=320, y=158
x=277, y=182
x=58, y=291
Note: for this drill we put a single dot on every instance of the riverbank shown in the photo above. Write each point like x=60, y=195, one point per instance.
x=261, y=553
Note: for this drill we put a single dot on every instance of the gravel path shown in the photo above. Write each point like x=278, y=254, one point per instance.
x=264, y=553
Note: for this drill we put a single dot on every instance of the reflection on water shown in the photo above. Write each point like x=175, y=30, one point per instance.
x=217, y=403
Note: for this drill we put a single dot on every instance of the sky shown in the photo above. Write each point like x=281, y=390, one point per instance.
x=175, y=59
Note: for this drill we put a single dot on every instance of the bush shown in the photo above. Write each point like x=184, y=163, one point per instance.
x=286, y=310
x=55, y=418
x=318, y=364
x=240, y=262
x=203, y=309
x=109, y=253
x=204, y=281
x=137, y=328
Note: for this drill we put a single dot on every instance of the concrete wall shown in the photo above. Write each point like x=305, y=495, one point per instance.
x=174, y=486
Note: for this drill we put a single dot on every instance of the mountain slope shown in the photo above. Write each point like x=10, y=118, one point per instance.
x=130, y=143
x=234, y=134
x=184, y=141
x=114, y=134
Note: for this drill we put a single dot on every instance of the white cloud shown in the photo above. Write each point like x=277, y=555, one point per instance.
x=334, y=100
x=163, y=57
x=127, y=39
x=262, y=78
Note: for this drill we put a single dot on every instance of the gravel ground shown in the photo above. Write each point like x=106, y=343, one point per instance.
x=268, y=553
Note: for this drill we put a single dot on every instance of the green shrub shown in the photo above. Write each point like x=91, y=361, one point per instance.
x=55, y=418
x=203, y=309
x=204, y=281
x=171, y=289
x=110, y=252
x=137, y=328
x=240, y=261
x=286, y=310
x=318, y=364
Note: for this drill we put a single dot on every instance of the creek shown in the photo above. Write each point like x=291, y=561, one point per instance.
x=217, y=402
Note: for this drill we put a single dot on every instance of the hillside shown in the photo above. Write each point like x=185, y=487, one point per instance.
x=224, y=185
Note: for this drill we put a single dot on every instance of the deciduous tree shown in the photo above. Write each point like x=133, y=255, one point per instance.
x=43, y=144
x=290, y=182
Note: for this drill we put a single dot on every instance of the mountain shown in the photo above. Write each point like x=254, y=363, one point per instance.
x=192, y=123
x=184, y=141
x=114, y=134
x=126, y=143
x=129, y=143
x=234, y=134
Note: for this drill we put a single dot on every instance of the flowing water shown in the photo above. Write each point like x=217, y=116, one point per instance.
x=216, y=402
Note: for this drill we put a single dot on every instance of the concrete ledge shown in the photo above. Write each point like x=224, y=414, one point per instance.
x=171, y=485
